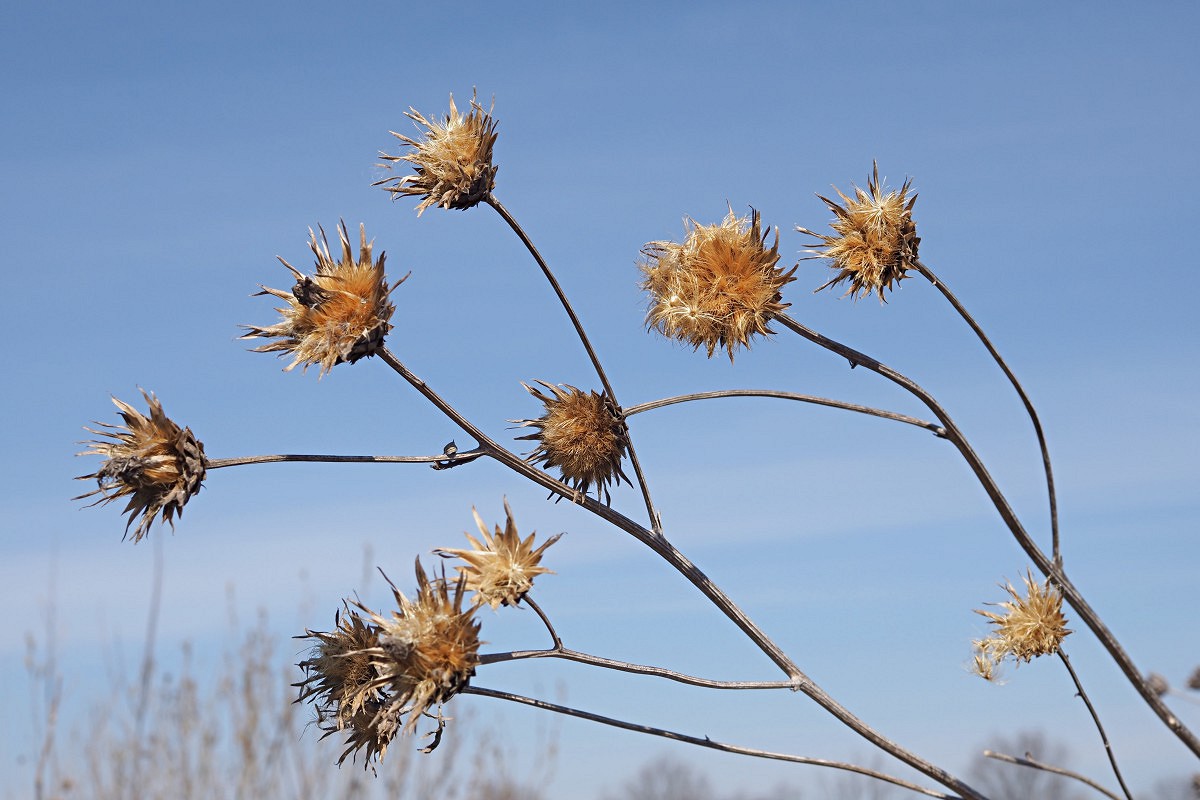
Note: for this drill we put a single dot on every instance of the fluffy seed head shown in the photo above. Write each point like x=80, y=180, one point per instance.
x=340, y=313
x=151, y=460
x=876, y=239
x=580, y=433
x=1027, y=627
x=452, y=160
x=719, y=287
x=500, y=569
x=373, y=671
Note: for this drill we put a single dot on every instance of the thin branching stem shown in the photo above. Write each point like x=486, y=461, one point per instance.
x=681, y=564
x=1043, y=562
x=1034, y=764
x=1112, y=758
x=704, y=741
x=651, y=511
x=927, y=273
x=937, y=430
x=445, y=459
x=624, y=666
x=558, y=645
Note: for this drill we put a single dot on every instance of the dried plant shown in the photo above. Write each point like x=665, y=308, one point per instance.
x=718, y=288
x=339, y=314
x=376, y=675
x=500, y=568
x=152, y=461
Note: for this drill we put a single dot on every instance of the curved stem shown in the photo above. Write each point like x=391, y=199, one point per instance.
x=705, y=741
x=651, y=511
x=635, y=669
x=558, y=645
x=937, y=430
x=927, y=273
x=1044, y=564
x=1066, y=773
x=1112, y=758
x=444, y=458
x=681, y=564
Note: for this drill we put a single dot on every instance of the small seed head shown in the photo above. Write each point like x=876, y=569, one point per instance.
x=1027, y=627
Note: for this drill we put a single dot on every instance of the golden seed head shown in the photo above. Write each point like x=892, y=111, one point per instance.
x=719, y=287
x=151, y=460
x=1027, y=627
x=500, y=569
x=581, y=434
x=876, y=242
x=340, y=313
x=452, y=161
x=373, y=671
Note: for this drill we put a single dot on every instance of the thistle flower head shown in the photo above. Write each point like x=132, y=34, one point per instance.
x=151, y=460
x=580, y=433
x=373, y=671
x=452, y=160
x=876, y=239
x=1025, y=628
x=340, y=313
x=500, y=569
x=719, y=287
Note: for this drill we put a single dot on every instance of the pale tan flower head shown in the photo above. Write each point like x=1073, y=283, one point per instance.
x=582, y=435
x=500, y=569
x=375, y=670
x=151, y=460
x=339, y=314
x=1027, y=627
x=452, y=161
x=719, y=287
x=876, y=239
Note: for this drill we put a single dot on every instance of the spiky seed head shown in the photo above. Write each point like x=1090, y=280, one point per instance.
x=580, y=433
x=500, y=567
x=717, y=288
x=1027, y=626
x=376, y=675
x=876, y=238
x=151, y=460
x=339, y=314
x=452, y=159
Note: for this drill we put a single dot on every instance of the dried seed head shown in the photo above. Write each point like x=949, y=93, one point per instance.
x=341, y=313
x=452, y=161
x=1193, y=681
x=1158, y=684
x=876, y=241
x=373, y=671
x=151, y=460
x=719, y=287
x=1028, y=627
x=582, y=434
x=500, y=569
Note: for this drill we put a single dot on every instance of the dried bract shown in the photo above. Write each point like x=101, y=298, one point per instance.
x=582, y=435
x=1028, y=626
x=341, y=313
x=876, y=241
x=452, y=161
x=500, y=569
x=151, y=460
x=719, y=287
x=376, y=676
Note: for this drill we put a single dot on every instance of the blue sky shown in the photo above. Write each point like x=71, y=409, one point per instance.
x=157, y=159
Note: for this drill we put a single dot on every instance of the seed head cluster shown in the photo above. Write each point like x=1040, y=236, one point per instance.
x=718, y=288
x=339, y=314
x=375, y=676
x=876, y=239
x=580, y=433
x=1027, y=627
x=500, y=568
x=151, y=460
x=452, y=160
